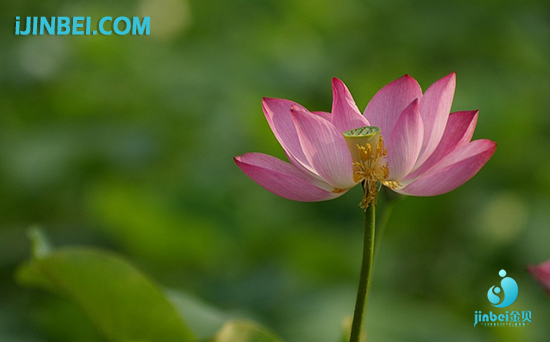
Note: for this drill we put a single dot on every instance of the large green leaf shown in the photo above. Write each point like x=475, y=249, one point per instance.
x=122, y=303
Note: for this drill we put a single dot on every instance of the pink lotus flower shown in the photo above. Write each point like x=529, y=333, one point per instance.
x=542, y=274
x=425, y=150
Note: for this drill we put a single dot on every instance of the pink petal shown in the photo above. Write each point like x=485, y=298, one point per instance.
x=458, y=132
x=277, y=113
x=542, y=274
x=434, y=109
x=385, y=108
x=405, y=142
x=284, y=179
x=345, y=114
x=453, y=170
x=325, y=115
x=325, y=148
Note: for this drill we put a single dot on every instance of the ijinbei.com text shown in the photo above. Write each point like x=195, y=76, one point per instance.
x=80, y=26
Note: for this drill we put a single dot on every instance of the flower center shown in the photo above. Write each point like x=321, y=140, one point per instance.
x=369, y=164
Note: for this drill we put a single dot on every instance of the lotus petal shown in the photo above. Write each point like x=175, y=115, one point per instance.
x=284, y=179
x=325, y=148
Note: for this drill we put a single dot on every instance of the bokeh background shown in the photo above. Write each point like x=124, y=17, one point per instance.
x=126, y=143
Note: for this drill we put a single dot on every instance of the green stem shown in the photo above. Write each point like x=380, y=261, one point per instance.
x=366, y=269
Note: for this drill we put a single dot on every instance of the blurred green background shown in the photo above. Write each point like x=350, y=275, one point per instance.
x=126, y=143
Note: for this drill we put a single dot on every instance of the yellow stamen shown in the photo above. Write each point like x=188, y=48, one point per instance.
x=393, y=184
x=369, y=162
x=369, y=169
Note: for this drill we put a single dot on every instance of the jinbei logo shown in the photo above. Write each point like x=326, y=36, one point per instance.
x=502, y=297
x=509, y=292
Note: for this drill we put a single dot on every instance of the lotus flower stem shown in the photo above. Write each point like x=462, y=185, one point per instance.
x=366, y=270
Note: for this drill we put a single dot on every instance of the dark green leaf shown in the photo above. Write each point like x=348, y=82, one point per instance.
x=122, y=303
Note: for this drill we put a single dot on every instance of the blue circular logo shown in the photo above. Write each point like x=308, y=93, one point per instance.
x=509, y=288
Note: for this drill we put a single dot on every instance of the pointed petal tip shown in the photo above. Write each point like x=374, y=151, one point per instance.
x=484, y=146
x=338, y=86
x=468, y=117
x=346, y=115
x=245, y=158
x=407, y=79
x=239, y=160
x=491, y=149
x=475, y=116
x=414, y=106
x=272, y=101
x=490, y=145
x=450, y=77
x=448, y=80
x=470, y=114
x=267, y=100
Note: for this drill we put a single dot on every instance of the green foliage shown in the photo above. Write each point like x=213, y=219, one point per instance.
x=122, y=303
